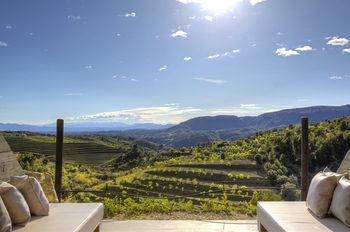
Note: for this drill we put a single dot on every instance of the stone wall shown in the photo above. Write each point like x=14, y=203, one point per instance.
x=345, y=165
x=9, y=165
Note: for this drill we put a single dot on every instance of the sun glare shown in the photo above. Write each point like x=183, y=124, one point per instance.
x=218, y=7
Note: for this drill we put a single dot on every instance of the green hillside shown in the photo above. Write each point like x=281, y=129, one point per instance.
x=219, y=177
x=90, y=150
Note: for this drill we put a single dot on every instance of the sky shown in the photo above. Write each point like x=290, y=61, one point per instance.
x=165, y=61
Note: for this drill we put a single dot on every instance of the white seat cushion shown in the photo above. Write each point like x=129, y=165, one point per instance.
x=5, y=220
x=321, y=192
x=340, y=206
x=293, y=216
x=15, y=203
x=33, y=193
x=67, y=217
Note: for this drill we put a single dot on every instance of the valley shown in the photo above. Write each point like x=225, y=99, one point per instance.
x=220, y=177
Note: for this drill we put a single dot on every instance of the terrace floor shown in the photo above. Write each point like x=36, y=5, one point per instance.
x=179, y=226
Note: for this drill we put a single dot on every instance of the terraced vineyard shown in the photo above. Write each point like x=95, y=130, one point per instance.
x=79, y=150
x=199, y=182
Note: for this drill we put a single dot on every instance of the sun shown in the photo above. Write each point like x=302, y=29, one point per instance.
x=218, y=7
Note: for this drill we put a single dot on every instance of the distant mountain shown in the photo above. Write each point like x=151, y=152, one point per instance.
x=24, y=127
x=197, y=130
x=82, y=127
x=221, y=122
x=230, y=127
x=265, y=121
x=292, y=116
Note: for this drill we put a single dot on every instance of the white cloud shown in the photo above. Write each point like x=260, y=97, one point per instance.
x=169, y=113
x=118, y=35
x=212, y=81
x=192, y=17
x=336, y=78
x=172, y=104
x=179, y=33
x=209, y=18
x=337, y=41
x=8, y=27
x=254, y=2
x=122, y=77
x=3, y=44
x=73, y=94
x=214, y=56
x=187, y=58
x=74, y=17
x=230, y=53
x=285, y=53
x=131, y=15
x=164, y=67
x=88, y=67
x=172, y=113
x=119, y=77
x=225, y=54
x=305, y=48
x=346, y=50
x=242, y=110
x=250, y=106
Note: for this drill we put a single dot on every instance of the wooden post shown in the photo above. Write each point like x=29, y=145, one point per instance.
x=59, y=158
x=304, y=157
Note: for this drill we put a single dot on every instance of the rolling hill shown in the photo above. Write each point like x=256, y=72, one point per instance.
x=230, y=127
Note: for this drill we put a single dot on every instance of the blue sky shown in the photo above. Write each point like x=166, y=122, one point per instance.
x=165, y=61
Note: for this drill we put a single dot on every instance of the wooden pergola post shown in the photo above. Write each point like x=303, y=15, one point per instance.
x=304, y=157
x=59, y=158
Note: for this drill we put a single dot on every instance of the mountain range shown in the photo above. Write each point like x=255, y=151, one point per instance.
x=230, y=127
x=83, y=127
x=199, y=129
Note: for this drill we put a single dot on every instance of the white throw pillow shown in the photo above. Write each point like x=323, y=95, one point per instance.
x=5, y=220
x=15, y=203
x=340, y=206
x=320, y=192
x=33, y=193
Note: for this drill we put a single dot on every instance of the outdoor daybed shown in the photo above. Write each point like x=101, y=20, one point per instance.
x=278, y=216
x=63, y=217
x=295, y=217
x=75, y=217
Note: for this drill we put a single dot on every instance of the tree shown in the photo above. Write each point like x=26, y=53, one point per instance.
x=134, y=152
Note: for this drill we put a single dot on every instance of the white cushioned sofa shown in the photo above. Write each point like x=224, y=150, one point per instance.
x=282, y=216
x=67, y=217
x=294, y=216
